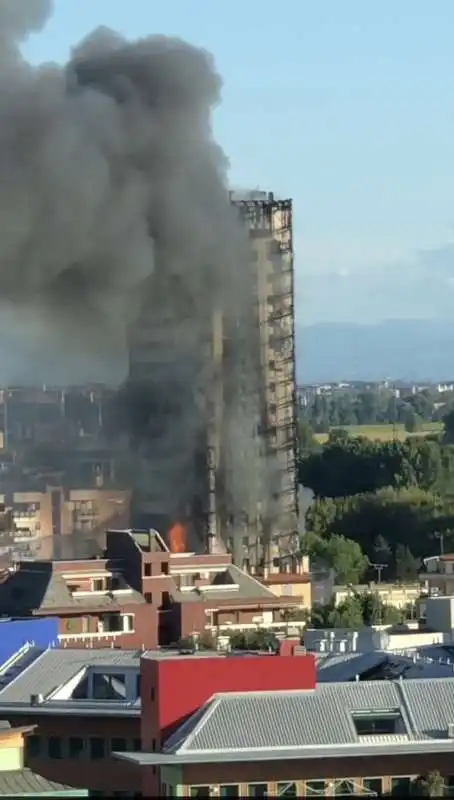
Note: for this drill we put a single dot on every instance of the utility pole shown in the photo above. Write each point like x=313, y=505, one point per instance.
x=378, y=569
x=441, y=537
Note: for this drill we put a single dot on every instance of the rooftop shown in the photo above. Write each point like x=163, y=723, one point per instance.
x=61, y=680
x=33, y=586
x=344, y=719
x=91, y=682
x=23, y=782
x=229, y=583
x=379, y=665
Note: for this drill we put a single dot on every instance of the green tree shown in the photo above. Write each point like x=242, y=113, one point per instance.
x=306, y=439
x=432, y=785
x=337, y=435
x=346, y=558
x=407, y=566
x=346, y=615
x=355, y=611
x=412, y=422
x=410, y=517
x=448, y=422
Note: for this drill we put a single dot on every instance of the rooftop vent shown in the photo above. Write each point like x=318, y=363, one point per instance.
x=36, y=699
x=451, y=730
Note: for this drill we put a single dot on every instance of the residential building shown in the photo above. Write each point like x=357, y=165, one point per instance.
x=438, y=576
x=195, y=485
x=296, y=583
x=399, y=595
x=17, y=780
x=362, y=738
x=141, y=595
x=49, y=523
x=86, y=704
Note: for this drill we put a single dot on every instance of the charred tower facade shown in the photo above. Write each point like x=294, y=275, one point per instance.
x=225, y=484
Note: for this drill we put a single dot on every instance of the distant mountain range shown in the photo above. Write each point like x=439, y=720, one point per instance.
x=414, y=350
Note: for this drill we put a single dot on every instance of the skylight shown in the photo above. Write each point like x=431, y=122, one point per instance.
x=378, y=723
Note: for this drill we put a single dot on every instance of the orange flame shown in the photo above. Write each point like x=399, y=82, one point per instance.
x=177, y=538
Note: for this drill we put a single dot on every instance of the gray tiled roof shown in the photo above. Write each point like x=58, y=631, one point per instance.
x=258, y=721
x=35, y=586
x=248, y=589
x=23, y=781
x=288, y=719
x=56, y=666
x=32, y=588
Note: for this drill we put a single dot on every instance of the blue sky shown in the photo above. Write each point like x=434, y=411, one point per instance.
x=344, y=105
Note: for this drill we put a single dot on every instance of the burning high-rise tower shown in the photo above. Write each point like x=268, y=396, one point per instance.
x=221, y=462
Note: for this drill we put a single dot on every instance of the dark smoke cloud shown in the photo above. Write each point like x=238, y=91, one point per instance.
x=113, y=203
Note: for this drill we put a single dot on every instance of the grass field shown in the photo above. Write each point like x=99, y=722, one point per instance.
x=384, y=433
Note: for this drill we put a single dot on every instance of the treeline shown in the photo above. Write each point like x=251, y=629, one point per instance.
x=378, y=503
x=347, y=407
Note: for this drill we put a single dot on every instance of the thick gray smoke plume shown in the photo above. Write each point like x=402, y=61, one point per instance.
x=113, y=201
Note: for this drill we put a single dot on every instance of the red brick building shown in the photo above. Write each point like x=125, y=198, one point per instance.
x=140, y=594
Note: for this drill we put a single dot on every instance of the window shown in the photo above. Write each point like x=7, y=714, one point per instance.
x=128, y=623
x=372, y=786
x=147, y=570
x=199, y=791
x=137, y=745
x=378, y=724
x=229, y=790
x=33, y=746
x=138, y=686
x=344, y=788
x=152, y=695
x=118, y=745
x=54, y=747
x=98, y=585
x=76, y=746
x=148, y=597
x=400, y=786
x=109, y=686
x=286, y=789
x=97, y=747
x=315, y=788
x=257, y=790
x=165, y=568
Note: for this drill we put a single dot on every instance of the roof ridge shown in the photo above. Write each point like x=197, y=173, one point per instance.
x=209, y=710
x=406, y=707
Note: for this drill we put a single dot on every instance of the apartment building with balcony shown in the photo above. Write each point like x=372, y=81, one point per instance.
x=139, y=594
x=59, y=522
x=438, y=575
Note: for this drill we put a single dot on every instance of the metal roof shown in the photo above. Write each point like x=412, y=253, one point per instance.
x=297, y=753
x=337, y=667
x=257, y=726
x=23, y=782
x=52, y=669
x=257, y=720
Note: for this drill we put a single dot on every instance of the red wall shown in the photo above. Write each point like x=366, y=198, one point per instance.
x=175, y=688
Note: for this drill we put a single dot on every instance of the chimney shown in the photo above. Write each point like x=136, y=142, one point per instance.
x=287, y=647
